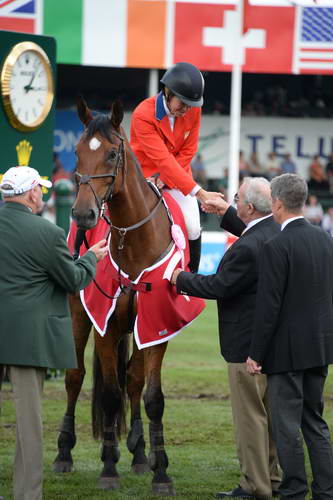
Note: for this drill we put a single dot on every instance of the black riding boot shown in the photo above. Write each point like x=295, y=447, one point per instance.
x=195, y=254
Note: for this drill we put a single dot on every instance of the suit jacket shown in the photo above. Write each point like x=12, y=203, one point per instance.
x=232, y=223
x=36, y=272
x=161, y=150
x=294, y=314
x=235, y=287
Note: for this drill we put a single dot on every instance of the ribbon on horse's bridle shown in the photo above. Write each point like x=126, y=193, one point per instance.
x=122, y=231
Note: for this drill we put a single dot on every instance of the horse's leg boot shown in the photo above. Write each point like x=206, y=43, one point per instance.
x=195, y=254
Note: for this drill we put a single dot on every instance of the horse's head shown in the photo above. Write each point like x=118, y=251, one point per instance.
x=100, y=160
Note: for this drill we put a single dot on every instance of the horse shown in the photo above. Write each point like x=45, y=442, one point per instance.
x=108, y=173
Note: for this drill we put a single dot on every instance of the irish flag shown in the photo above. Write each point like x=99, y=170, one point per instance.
x=109, y=32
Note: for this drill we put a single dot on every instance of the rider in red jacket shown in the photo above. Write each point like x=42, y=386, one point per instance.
x=164, y=137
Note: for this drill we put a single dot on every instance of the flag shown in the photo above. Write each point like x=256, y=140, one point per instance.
x=19, y=15
x=116, y=33
x=279, y=36
x=208, y=40
x=313, y=50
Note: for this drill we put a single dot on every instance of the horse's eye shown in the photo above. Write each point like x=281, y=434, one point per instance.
x=112, y=155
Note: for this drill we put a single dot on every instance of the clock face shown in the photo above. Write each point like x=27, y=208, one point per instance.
x=27, y=86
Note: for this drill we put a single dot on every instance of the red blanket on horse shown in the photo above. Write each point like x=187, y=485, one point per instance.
x=161, y=312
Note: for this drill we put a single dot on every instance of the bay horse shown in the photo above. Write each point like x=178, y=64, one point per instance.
x=108, y=173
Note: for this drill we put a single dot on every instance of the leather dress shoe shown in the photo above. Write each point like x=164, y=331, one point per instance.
x=236, y=493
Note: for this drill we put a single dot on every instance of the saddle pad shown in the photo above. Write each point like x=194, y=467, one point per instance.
x=161, y=312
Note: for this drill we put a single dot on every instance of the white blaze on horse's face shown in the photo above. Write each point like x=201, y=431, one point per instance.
x=94, y=144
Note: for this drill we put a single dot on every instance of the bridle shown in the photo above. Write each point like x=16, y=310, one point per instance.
x=86, y=179
x=102, y=203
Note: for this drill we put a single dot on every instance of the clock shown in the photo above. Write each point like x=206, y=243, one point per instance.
x=27, y=86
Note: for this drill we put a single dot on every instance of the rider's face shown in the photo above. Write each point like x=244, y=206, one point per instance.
x=177, y=107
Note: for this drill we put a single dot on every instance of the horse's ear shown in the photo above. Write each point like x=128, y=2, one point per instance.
x=83, y=111
x=117, y=114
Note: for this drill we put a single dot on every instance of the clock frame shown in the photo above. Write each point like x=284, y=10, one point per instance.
x=5, y=78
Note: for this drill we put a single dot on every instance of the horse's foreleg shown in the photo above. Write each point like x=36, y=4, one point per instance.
x=108, y=403
x=135, y=383
x=154, y=405
x=73, y=382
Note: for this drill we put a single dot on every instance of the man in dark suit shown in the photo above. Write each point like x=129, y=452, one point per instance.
x=37, y=271
x=235, y=286
x=293, y=339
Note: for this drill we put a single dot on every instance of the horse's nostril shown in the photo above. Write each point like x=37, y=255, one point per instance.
x=91, y=214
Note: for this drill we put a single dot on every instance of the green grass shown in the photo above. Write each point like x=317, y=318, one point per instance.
x=197, y=422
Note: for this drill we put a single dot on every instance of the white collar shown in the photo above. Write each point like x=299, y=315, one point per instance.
x=283, y=225
x=169, y=115
x=255, y=221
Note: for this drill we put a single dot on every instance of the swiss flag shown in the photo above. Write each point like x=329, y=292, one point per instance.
x=277, y=23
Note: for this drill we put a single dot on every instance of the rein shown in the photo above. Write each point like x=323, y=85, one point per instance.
x=124, y=230
x=101, y=203
x=124, y=282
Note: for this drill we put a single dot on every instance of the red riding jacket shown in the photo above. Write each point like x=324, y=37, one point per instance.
x=161, y=150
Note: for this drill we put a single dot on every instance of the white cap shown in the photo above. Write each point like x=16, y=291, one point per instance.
x=21, y=179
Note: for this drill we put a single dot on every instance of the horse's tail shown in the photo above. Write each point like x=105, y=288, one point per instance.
x=98, y=390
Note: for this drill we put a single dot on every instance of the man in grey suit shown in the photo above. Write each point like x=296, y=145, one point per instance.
x=234, y=286
x=37, y=271
x=293, y=339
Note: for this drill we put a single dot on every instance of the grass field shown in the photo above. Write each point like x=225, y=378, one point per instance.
x=197, y=422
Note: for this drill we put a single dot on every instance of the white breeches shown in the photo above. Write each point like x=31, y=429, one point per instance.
x=190, y=209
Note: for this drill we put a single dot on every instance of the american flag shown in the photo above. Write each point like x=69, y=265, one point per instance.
x=19, y=15
x=314, y=40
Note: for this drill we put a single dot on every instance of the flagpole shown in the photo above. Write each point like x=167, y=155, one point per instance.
x=235, y=107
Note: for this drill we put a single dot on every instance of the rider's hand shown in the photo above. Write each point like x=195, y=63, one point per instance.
x=157, y=181
x=204, y=195
x=100, y=249
x=216, y=206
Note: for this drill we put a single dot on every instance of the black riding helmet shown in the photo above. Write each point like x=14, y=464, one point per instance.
x=186, y=82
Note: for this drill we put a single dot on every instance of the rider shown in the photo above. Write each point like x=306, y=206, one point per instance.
x=164, y=137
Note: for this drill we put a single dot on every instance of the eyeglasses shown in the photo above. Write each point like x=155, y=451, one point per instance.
x=236, y=198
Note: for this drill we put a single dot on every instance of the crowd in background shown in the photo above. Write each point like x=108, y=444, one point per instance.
x=320, y=174
x=278, y=100
x=319, y=207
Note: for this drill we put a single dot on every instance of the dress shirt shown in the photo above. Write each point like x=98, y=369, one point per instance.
x=254, y=222
x=283, y=225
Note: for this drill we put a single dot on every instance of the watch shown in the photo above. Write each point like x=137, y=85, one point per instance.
x=27, y=86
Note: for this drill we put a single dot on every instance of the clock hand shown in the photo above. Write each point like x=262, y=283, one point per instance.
x=37, y=88
x=28, y=87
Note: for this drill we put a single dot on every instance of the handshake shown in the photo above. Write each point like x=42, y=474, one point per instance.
x=212, y=203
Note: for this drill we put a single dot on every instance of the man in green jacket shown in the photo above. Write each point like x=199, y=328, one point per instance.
x=37, y=271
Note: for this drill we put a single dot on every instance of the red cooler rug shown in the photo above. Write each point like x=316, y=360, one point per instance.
x=161, y=312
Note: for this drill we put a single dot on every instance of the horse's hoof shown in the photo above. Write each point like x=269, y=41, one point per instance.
x=108, y=483
x=164, y=489
x=61, y=467
x=140, y=468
